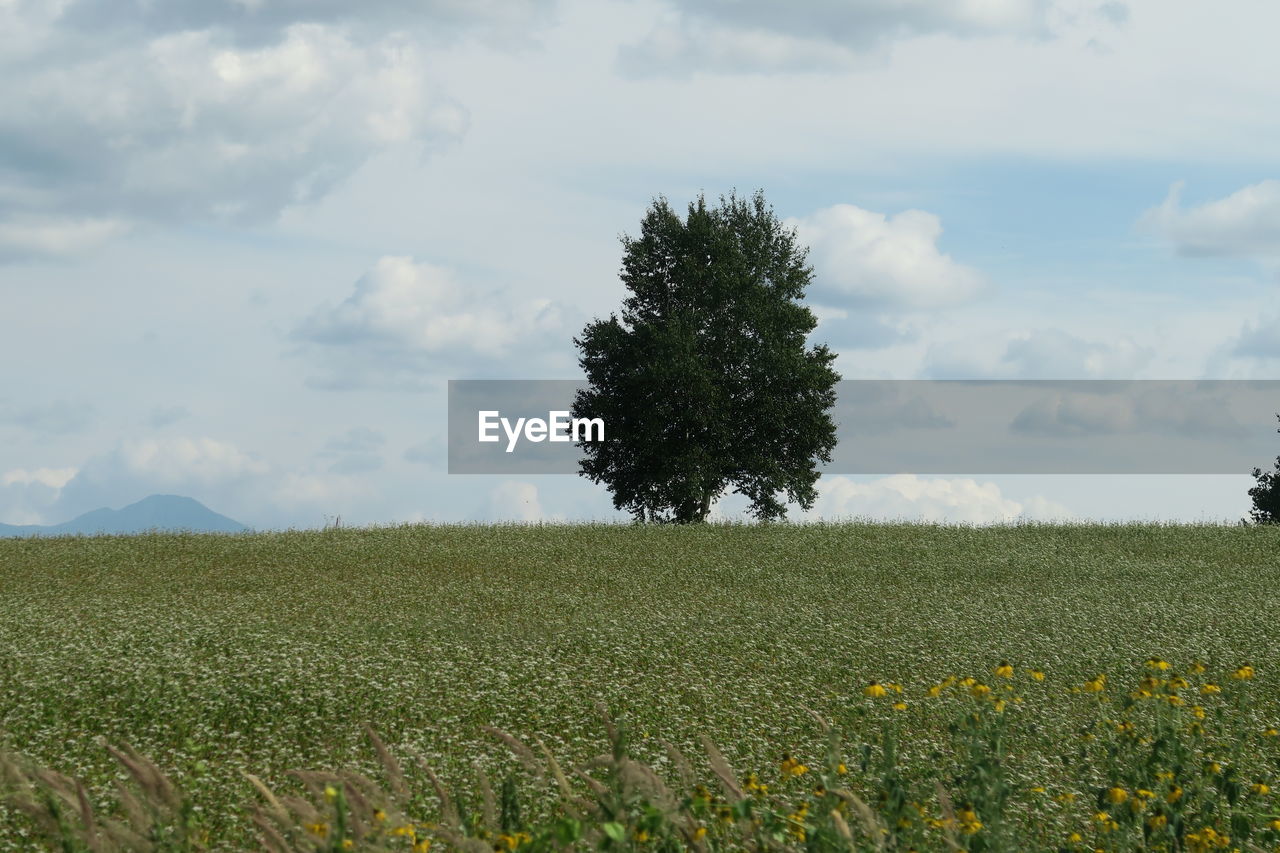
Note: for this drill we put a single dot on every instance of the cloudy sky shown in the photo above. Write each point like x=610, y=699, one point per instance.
x=244, y=243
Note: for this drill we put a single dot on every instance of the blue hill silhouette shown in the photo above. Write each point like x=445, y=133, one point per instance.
x=157, y=512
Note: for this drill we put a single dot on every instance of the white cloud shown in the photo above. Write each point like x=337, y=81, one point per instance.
x=1039, y=354
x=405, y=320
x=53, y=478
x=191, y=126
x=861, y=257
x=909, y=497
x=1243, y=224
x=809, y=35
x=512, y=500
x=24, y=237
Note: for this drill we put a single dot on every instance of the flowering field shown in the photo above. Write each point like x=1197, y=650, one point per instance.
x=1030, y=687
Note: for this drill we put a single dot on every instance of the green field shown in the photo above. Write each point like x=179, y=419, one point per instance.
x=219, y=655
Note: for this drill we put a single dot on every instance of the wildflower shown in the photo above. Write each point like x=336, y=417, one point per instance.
x=1164, y=775
x=1117, y=795
x=1178, y=683
x=1074, y=838
x=320, y=829
x=875, y=689
x=1037, y=675
x=1004, y=670
x=1261, y=789
x=1175, y=794
x=969, y=823
x=405, y=831
x=641, y=836
x=1275, y=824
x=1244, y=673
x=1157, y=821
x=899, y=705
x=700, y=833
x=979, y=690
x=330, y=793
x=1209, y=688
x=1196, y=667
x=968, y=681
x=1197, y=712
x=792, y=767
x=347, y=844
x=1037, y=789
x=1213, y=767
x=1067, y=797
x=1271, y=732
x=894, y=686
x=379, y=815
x=422, y=846
x=841, y=769
x=1156, y=663
x=1096, y=685
x=934, y=691
x=999, y=705
x=1174, y=700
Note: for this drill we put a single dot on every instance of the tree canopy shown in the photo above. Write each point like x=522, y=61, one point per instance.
x=1266, y=494
x=705, y=379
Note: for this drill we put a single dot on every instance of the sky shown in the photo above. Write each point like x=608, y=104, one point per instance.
x=245, y=243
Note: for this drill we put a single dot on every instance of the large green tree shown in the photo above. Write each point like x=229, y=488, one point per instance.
x=705, y=380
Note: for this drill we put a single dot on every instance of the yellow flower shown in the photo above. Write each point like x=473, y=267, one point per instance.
x=894, y=686
x=1144, y=793
x=347, y=844
x=792, y=767
x=1037, y=789
x=1196, y=667
x=641, y=836
x=899, y=705
x=841, y=769
x=1101, y=817
x=1096, y=685
x=935, y=691
x=1175, y=794
x=1213, y=767
x=318, y=828
x=1074, y=838
x=874, y=689
x=1037, y=675
x=968, y=681
x=379, y=815
x=1271, y=732
x=1261, y=789
x=1004, y=670
x=1156, y=663
x=1197, y=712
x=1174, y=700
x=1178, y=683
x=407, y=830
x=422, y=846
x=998, y=705
x=700, y=833
x=330, y=793
x=1209, y=688
x=979, y=690
x=1157, y=821
x=1244, y=673
x=1067, y=797
x=1275, y=824
x=1117, y=795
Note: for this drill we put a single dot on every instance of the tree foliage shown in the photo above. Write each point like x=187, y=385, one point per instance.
x=705, y=379
x=1266, y=494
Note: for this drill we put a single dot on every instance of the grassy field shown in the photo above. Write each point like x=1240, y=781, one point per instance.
x=219, y=655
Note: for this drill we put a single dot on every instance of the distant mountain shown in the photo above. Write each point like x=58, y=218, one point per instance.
x=158, y=512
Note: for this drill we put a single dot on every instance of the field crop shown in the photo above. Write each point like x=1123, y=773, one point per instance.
x=218, y=656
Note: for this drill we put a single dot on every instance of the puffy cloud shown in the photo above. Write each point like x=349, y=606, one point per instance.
x=908, y=497
x=866, y=259
x=96, y=134
x=1040, y=354
x=26, y=494
x=405, y=320
x=1245, y=223
x=512, y=500
x=761, y=35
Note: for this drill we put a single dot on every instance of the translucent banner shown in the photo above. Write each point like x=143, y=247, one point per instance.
x=929, y=427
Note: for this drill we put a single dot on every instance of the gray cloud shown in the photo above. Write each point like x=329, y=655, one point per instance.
x=162, y=416
x=56, y=418
x=762, y=35
x=1164, y=412
x=1259, y=339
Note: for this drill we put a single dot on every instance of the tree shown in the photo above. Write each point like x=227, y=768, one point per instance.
x=1266, y=494
x=705, y=382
